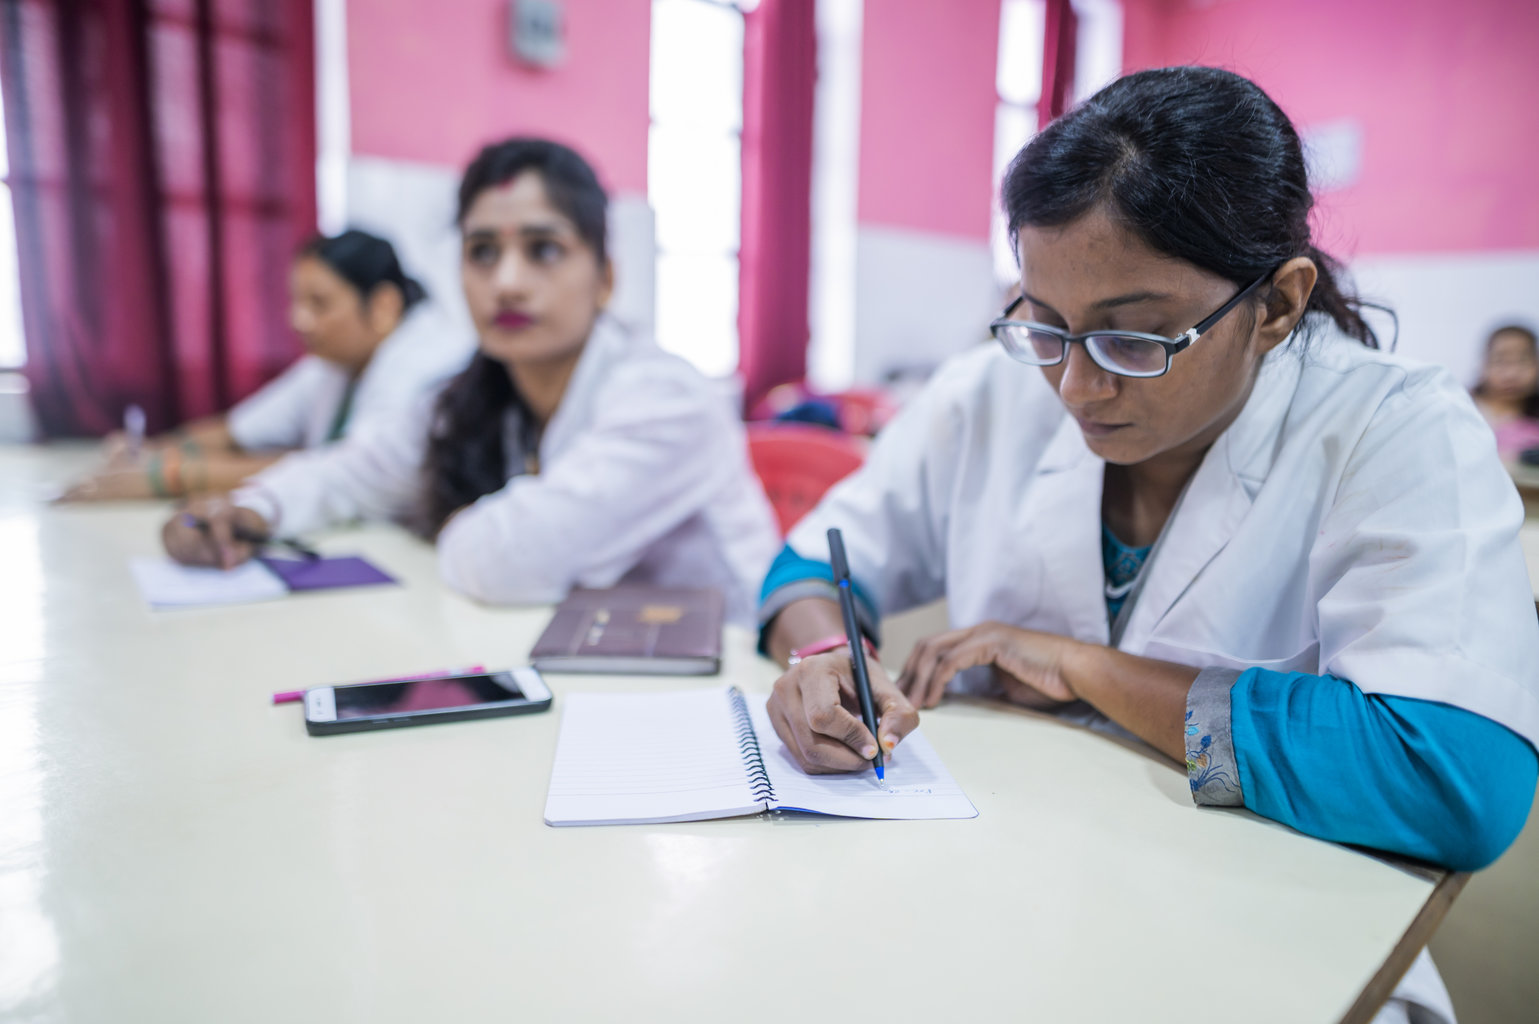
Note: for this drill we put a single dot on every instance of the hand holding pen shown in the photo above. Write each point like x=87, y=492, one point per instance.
x=856, y=642
x=815, y=706
x=215, y=532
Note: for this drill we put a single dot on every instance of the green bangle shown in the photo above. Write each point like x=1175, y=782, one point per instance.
x=152, y=469
x=202, y=483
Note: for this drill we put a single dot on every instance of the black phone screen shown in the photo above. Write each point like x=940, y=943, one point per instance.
x=374, y=699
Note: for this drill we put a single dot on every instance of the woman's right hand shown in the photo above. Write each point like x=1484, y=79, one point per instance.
x=816, y=713
x=213, y=531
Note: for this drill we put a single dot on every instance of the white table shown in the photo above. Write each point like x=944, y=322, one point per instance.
x=174, y=848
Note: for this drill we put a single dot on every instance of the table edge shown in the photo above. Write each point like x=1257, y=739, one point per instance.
x=1417, y=935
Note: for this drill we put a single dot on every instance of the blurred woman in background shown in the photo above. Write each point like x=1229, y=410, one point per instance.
x=1508, y=391
x=568, y=453
x=374, y=346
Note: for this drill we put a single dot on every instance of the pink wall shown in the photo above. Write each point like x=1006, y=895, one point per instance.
x=927, y=115
x=1443, y=91
x=433, y=81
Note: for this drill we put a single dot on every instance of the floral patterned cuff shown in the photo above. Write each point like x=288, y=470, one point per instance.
x=1211, y=767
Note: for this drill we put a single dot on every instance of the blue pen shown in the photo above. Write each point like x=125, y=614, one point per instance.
x=857, y=648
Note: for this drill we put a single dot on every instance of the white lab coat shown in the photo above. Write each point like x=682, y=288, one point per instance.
x=1354, y=519
x=297, y=408
x=644, y=478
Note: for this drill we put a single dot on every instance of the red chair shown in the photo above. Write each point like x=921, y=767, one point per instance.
x=864, y=410
x=797, y=464
x=859, y=410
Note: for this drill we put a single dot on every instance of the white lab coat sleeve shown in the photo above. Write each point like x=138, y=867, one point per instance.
x=425, y=351
x=893, y=512
x=660, y=447
x=1421, y=580
x=274, y=417
x=374, y=473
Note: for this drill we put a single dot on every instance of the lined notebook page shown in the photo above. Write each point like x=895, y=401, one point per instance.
x=918, y=784
x=647, y=757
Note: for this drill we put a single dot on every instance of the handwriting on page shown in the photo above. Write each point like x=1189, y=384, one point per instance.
x=917, y=785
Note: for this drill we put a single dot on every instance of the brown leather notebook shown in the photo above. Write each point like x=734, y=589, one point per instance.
x=634, y=630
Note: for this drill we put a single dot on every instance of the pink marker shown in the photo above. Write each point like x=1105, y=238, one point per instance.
x=294, y=696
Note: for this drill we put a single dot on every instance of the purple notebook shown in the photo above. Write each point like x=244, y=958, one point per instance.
x=325, y=573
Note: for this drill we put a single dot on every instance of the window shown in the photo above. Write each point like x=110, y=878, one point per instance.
x=13, y=349
x=1018, y=82
x=694, y=177
x=835, y=188
x=1097, y=60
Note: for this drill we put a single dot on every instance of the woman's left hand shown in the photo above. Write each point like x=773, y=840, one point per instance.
x=1030, y=665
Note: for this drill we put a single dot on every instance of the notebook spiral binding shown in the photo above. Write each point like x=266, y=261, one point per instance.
x=748, y=744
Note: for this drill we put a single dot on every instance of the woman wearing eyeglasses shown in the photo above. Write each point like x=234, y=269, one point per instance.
x=1208, y=511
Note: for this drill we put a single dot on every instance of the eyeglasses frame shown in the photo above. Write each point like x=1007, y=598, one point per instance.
x=1179, y=343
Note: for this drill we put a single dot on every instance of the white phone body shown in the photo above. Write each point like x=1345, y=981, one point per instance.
x=364, y=706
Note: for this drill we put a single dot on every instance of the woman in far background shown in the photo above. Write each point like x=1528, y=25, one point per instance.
x=1508, y=391
x=374, y=346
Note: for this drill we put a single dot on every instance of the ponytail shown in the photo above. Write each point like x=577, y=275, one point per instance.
x=366, y=262
x=1328, y=298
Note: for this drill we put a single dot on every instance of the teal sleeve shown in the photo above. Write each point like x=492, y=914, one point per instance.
x=1409, y=776
x=792, y=577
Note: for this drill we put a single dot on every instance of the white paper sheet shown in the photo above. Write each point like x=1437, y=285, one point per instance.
x=165, y=584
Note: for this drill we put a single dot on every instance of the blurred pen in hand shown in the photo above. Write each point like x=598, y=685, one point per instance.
x=304, y=551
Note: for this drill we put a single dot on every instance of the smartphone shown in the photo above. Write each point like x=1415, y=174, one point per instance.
x=361, y=706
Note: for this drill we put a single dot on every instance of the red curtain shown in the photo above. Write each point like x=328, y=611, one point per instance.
x=780, y=62
x=1060, y=39
x=163, y=172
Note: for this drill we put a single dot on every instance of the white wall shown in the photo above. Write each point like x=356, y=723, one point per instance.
x=1449, y=302
x=17, y=424
x=919, y=299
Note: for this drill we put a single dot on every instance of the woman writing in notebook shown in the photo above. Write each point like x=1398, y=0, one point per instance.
x=567, y=452
x=1207, y=512
x=375, y=345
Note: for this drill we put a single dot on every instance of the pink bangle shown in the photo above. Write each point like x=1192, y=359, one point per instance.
x=828, y=643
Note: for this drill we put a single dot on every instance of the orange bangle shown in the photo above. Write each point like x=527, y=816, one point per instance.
x=173, y=472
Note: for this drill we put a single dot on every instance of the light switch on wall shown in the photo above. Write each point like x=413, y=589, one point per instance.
x=537, y=31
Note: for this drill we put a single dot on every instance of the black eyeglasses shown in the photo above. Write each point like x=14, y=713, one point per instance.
x=1127, y=353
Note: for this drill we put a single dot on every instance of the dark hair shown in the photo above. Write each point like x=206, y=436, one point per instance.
x=570, y=184
x=1522, y=329
x=466, y=457
x=366, y=262
x=1199, y=163
x=1530, y=403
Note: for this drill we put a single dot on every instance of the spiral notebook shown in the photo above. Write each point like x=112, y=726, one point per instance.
x=699, y=754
